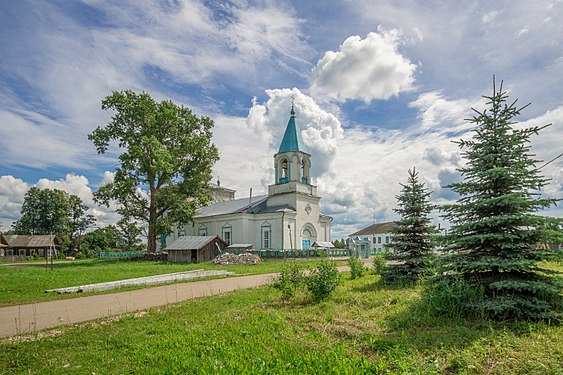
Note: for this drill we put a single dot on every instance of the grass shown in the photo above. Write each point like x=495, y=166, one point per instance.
x=27, y=284
x=362, y=328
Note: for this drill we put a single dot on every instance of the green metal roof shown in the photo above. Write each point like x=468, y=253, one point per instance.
x=292, y=140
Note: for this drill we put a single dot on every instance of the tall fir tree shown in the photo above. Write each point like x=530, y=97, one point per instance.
x=413, y=236
x=495, y=233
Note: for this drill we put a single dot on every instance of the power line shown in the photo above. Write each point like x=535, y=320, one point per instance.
x=555, y=158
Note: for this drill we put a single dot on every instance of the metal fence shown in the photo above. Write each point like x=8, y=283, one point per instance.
x=120, y=254
x=284, y=254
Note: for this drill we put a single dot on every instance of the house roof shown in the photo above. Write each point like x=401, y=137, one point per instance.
x=375, y=229
x=323, y=244
x=192, y=242
x=219, y=187
x=292, y=140
x=30, y=241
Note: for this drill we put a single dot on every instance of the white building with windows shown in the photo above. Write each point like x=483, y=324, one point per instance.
x=372, y=239
x=289, y=217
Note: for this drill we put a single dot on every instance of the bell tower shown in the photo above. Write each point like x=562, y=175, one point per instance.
x=292, y=163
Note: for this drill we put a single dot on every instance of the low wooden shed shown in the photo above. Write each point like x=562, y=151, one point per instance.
x=195, y=249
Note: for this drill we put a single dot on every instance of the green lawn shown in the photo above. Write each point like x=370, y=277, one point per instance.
x=363, y=328
x=27, y=284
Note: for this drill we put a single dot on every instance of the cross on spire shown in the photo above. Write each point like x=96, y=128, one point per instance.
x=292, y=104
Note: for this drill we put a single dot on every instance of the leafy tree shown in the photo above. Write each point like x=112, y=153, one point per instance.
x=52, y=211
x=78, y=221
x=130, y=233
x=494, y=229
x=165, y=166
x=413, y=236
x=101, y=239
x=43, y=212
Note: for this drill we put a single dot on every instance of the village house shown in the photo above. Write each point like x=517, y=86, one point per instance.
x=21, y=245
x=371, y=240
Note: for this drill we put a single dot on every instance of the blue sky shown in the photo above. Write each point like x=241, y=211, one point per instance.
x=379, y=87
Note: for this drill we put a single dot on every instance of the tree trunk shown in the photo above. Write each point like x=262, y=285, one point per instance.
x=152, y=224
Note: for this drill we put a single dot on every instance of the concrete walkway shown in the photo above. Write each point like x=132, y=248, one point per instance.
x=22, y=319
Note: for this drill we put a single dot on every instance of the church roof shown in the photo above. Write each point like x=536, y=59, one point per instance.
x=292, y=140
x=230, y=207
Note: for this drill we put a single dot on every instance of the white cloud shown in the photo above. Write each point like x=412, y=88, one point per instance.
x=13, y=190
x=366, y=69
x=439, y=114
x=490, y=16
x=246, y=160
x=320, y=129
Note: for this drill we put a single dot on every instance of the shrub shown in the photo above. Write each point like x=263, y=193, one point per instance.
x=357, y=269
x=289, y=280
x=323, y=280
x=378, y=263
x=80, y=256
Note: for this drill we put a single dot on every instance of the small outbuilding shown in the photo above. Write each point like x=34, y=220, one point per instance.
x=323, y=245
x=195, y=249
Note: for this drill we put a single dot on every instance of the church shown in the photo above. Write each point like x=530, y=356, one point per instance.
x=288, y=218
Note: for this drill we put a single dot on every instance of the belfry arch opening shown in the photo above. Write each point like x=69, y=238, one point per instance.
x=283, y=171
x=305, y=170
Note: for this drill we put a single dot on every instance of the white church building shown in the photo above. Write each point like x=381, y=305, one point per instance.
x=288, y=218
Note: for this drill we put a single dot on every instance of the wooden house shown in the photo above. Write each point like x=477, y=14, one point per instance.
x=27, y=245
x=195, y=249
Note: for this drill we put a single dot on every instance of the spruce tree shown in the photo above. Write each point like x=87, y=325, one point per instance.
x=413, y=236
x=495, y=233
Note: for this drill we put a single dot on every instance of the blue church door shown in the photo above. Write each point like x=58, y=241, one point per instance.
x=306, y=244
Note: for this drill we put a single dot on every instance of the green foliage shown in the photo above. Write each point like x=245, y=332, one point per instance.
x=357, y=269
x=413, y=236
x=378, y=263
x=165, y=168
x=323, y=280
x=339, y=244
x=101, y=239
x=289, y=280
x=495, y=233
x=52, y=211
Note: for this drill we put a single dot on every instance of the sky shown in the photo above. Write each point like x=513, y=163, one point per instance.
x=379, y=86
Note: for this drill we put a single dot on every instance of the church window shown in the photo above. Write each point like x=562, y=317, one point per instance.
x=202, y=231
x=378, y=239
x=266, y=236
x=227, y=234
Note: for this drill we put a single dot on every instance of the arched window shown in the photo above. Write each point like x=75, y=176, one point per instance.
x=227, y=233
x=202, y=231
x=266, y=235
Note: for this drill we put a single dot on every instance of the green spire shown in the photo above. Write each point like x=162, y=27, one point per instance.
x=292, y=140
